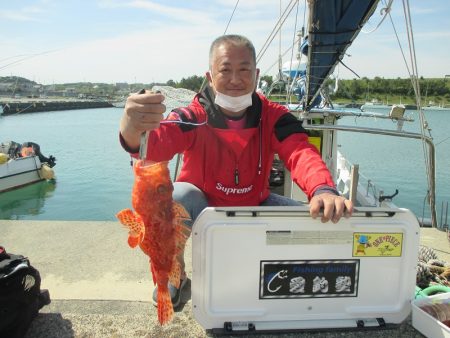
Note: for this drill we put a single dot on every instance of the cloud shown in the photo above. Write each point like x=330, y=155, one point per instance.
x=144, y=56
x=157, y=40
x=175, y=13
x=24, y=14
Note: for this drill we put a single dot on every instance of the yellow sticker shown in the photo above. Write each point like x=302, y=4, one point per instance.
x=316, y=142
x=373, y=244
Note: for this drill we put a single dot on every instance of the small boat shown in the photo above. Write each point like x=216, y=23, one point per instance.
x=374, y=104
x=119, y=104
x=23, y=164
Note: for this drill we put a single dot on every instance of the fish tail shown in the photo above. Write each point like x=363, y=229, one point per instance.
x=165, y=308
x=134, y=224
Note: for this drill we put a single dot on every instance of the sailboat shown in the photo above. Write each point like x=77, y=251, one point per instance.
x=333, y=26
x=289, y=252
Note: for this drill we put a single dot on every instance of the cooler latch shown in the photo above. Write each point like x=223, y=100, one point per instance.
x=238, y=326
x=377, y=322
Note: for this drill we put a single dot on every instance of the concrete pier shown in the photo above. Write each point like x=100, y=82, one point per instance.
x=35, y=106
x=102, y=288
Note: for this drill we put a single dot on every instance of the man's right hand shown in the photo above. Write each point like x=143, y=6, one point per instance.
x=143, y=112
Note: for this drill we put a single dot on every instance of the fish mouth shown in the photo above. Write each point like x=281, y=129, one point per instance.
x=145, y=163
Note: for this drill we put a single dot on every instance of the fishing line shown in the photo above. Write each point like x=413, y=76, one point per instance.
x=442, y=141
x=15, y=56
x=27, y=56
x=183, y=122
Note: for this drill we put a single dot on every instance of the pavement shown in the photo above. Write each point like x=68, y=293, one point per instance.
x=100, y=287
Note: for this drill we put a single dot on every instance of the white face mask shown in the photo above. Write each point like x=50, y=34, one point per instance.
x=233, y=103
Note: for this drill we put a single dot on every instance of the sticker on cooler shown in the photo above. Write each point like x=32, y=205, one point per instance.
x=309, y=279
x=370, y=244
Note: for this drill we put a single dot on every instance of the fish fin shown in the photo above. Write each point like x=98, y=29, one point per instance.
x=133, y=223
x=175, y=273
x=153, y=271
x=182, y=231
x=180, y=212
x=133, y=241
x=165, y=307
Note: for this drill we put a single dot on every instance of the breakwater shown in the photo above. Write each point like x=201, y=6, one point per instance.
x=23, y=107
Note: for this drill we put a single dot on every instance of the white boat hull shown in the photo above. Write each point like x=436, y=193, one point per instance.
x=119, y=104
x=19, y=172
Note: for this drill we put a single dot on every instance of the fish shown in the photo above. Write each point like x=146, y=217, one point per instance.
x=157, y=226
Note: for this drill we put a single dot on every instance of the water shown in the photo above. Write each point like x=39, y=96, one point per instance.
x=94, y=177
x=93, y=174
x=398, y=163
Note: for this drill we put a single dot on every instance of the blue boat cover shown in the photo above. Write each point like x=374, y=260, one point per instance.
x=333, y=25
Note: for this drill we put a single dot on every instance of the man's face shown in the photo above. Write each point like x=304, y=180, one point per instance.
x=233, y=72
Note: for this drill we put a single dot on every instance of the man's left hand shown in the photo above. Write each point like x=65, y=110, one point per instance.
x=334, y=207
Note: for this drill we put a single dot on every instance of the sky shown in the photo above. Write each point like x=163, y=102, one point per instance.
x=145, y=41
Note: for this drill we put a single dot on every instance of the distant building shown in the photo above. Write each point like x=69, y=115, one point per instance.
x=70, y=92
x=121, y=85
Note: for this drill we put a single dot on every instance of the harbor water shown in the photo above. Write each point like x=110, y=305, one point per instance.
x=94, y=176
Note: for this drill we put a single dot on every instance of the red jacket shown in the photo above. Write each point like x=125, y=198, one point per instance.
x=231, y=166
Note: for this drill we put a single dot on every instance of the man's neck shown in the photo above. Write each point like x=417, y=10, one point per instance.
x=235, y=116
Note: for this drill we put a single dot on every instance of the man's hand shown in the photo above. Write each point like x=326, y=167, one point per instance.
x=334, y=207
x=143, y=112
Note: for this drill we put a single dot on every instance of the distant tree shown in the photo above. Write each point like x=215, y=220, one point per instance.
x=268, y=79
x=193, y=83
x=171, y=83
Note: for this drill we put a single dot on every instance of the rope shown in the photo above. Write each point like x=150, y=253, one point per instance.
x=386, y=10
x=224, y=32
x=231, y=17
x=275, y=30
x=21, y=111
x=285, y=52
x=413, y=74
x=399, y=44
x=416, y=87
x=290, y=88
x=430, y=270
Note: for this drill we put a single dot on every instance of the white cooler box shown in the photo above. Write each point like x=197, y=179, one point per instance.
x=275, y=269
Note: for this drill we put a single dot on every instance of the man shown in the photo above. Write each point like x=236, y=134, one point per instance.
x=228, y=136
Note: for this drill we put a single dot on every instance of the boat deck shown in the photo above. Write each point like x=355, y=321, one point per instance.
x=100, y=287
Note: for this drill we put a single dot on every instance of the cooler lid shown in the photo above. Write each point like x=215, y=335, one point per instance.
x=276, y=268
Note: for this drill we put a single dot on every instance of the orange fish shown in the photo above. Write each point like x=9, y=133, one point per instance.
x=157, y=226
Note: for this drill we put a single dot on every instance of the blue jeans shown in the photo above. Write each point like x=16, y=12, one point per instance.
x=194, y=200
